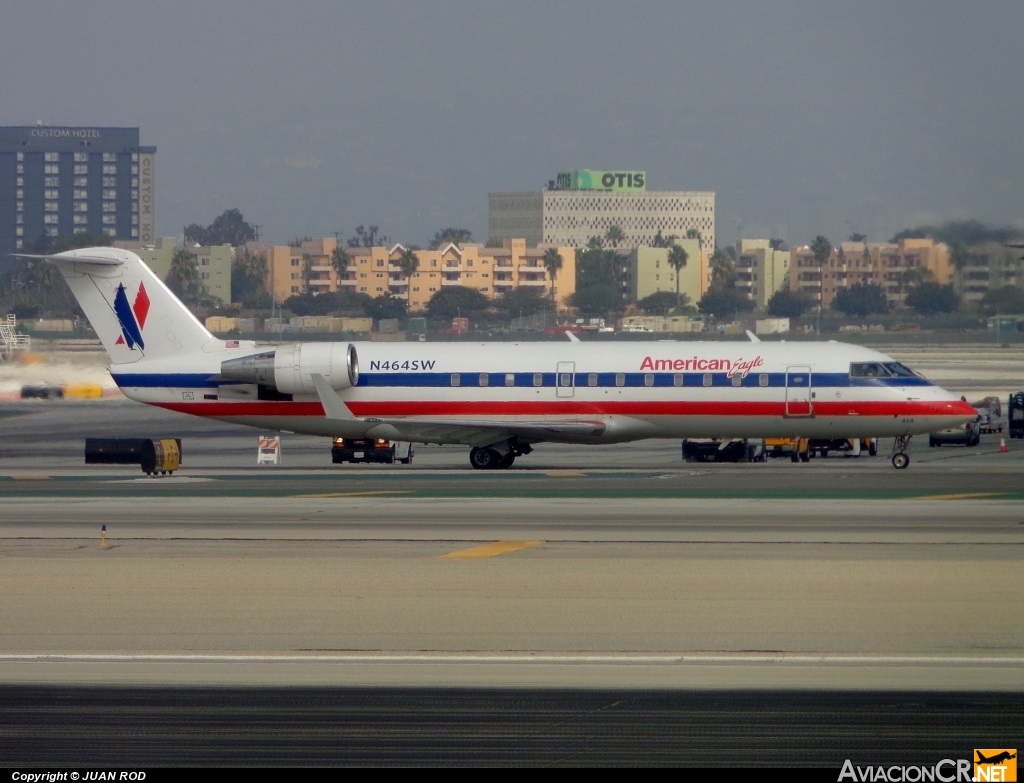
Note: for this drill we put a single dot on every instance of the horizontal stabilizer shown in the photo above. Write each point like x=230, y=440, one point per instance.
x=78, y=259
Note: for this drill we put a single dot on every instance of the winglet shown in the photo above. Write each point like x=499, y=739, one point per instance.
x=334, y=406
x=572, y=337
x=753, y=337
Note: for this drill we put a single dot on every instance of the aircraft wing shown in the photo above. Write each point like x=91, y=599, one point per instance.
x=464, y=431
x=487, y=433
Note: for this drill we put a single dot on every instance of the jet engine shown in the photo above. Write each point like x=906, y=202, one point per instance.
x=289, y=368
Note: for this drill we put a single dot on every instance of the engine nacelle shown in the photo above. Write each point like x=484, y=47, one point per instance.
x=289, y=368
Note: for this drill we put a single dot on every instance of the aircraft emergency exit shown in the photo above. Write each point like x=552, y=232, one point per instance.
x=500, y=399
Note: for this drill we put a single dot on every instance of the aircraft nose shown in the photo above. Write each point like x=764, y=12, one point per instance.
x=963, y=408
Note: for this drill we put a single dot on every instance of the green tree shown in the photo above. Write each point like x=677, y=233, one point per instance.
x=456, y=236
x=368, y=236
x=229, y=228
x=1007, y=299
x=598, y=283
x=340, y=260
x=520, y=302
x=663, y=241
x=553, y=263
x=662, y=303
x=183, y=278
x=723, y=269
x=408, y=262
x=724, y=303
x=821, y=250
x=861, y=300
x=785, y=303
x=614, y=235
x=457, y=302
x=387, y=305
x=677, y=259
x=249, y=276
x=930, y=298
x=963, y=232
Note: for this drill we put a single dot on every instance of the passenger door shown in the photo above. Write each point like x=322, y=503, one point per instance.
x=798, y=391
x=565, y=379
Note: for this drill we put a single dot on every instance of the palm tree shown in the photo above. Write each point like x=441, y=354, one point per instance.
x=340, y=260
x=614, y=235
x=677, y=258
x=553, y=263
x=408, y=263
x=183, y=278
x=821, y=249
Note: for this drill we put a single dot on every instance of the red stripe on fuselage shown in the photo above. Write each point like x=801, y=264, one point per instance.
x=477, y=409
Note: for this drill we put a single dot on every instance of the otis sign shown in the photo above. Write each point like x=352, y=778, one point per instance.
x=602, y=180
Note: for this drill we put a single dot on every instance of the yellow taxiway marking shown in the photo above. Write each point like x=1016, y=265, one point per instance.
x=564, y=473
x=961, y=496
x=31, y=478
x=491, y=550
x=356, y=494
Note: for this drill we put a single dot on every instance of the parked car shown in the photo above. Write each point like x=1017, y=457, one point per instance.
x=370, y=450
x=968, y=434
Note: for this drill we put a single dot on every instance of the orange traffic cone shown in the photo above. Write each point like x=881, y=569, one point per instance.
x=1002, y=445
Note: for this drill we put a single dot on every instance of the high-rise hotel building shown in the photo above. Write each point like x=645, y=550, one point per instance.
x=59, y=181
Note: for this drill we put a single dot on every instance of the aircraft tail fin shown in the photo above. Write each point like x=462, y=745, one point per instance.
x=135, y=315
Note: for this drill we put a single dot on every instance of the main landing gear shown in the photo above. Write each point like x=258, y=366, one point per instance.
x=900, y=458
x=497, y=457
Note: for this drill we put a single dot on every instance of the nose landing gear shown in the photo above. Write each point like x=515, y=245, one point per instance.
x=900, y=458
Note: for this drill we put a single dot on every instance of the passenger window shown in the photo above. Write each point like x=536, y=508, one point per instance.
x=737, y=379
x=455, y=379
x=592, y=379
x=762, y=379
x=483, y=379
x=707, y=379
x=538, y=379
x=620, y=379
x=510, y=379
x=649, y=379
x=677, y=379
x=565, y=379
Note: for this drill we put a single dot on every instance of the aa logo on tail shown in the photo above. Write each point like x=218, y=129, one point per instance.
x=132, y=317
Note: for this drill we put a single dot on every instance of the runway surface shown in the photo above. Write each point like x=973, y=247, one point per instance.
x=613, y=581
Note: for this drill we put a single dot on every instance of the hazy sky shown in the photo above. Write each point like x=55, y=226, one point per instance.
x=313, y=117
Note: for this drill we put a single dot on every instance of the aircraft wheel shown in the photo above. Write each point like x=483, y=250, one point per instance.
x=900, y=460
x=506, y=461
x=872, y=450
x=795, y=457
x=484, y=459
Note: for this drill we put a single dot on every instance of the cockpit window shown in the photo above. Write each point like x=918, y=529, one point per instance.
x=868, y=370
x=881, y=370
x=900, y=370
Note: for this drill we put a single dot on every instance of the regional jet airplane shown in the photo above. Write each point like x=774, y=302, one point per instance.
x=500, y=399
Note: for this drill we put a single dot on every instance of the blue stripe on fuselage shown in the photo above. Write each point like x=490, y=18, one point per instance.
x=581, y=380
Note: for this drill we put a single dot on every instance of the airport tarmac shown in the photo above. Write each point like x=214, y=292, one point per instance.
x=798, y=606
x=592, y=566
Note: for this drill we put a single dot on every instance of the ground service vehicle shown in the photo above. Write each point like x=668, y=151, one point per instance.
x=370, y=450
x=797, y=449
x=1015, y=415
x=967, y=434
x=501, y=400
x=852, y=447
x=719, y=450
